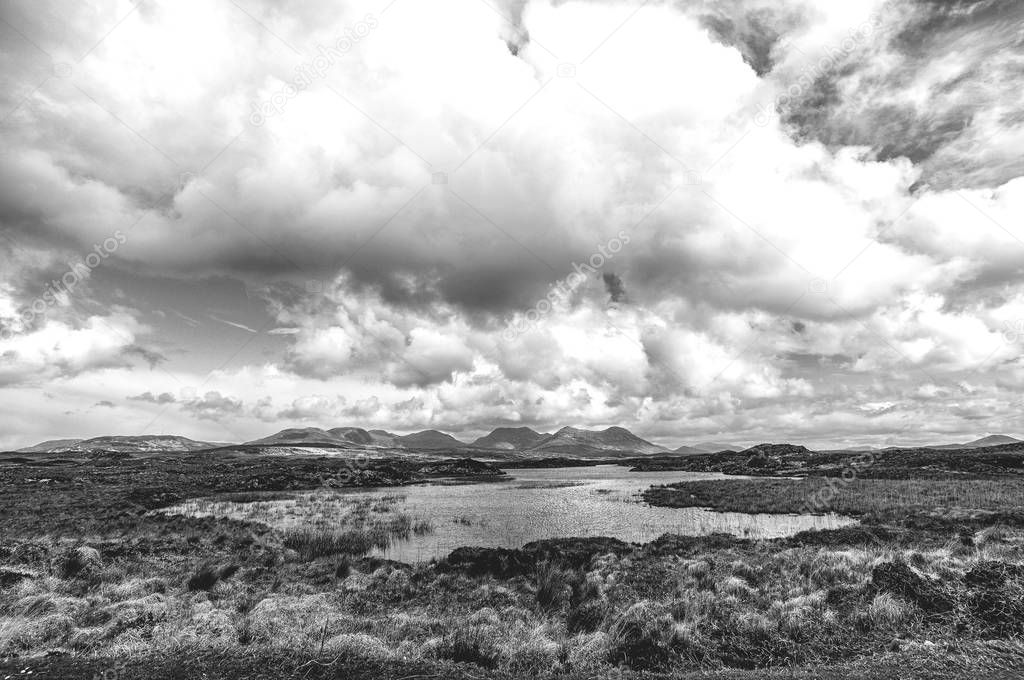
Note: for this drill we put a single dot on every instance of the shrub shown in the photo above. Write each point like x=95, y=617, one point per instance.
x=995, y=597
x=701, y=573
x=82, y=561
x=466, y=645
x=204, y=579
x=484, y=617
x=996, y=533
x=551, y=585
x=746, y=572
x=693, y=605
x=734, y=585
x=888, y=611
x=287, y=621
x=530, y=653
x=587, y=607
x=343, y=569
x=357, y=645
x=208, y=576
x=641, y=637
x=898, y=578
x=588, y=652
x=586, y=616
x=689, y=642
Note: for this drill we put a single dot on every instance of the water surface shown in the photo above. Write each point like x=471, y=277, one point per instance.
x=531, y=504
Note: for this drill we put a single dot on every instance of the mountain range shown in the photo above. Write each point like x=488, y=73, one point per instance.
x=991, y=440
x=706, y=447
x=502, y=442
x=138, y=444
x=568, y=440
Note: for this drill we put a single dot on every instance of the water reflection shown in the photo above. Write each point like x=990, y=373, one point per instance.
x=534, y=504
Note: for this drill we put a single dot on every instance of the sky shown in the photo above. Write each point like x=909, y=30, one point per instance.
x=768, y=220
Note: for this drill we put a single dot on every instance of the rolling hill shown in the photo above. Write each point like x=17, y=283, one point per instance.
x=429, y=439
x=598, y=443
x=302, y=435
x=779, y=450
x=510, y=438
x=990, y=440
x=122, y=444
x=49, y=445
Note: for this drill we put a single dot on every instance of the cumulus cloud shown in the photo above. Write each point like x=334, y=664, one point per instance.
x=162, y=398
x=403, y=218
x=57, y=349
x=213, y=406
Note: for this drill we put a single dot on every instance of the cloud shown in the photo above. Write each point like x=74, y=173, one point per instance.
x=936, y=84
x=213, y=406
x=162, y=398
x=400, y=222
x=57, y=349
x=613, y=284
x=234, y=324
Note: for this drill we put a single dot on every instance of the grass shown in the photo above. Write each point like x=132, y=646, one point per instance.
x=318, y=524
x=307, y=601
x=209, y=576
x=551, y=585
x=881, y=499
x=315, y=543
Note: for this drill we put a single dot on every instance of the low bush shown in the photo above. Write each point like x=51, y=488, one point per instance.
x=466, y=645
x=889, y=612
x=208, y=576
x=77, y=562
x=551, y=585
x=642, y=637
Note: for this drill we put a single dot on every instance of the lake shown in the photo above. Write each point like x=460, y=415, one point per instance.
x=531, y=504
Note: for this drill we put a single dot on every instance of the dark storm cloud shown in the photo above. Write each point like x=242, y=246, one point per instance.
x=948, y=90
x=754, y=31
x=614, y=286
x=943, y=17
x=375, y=279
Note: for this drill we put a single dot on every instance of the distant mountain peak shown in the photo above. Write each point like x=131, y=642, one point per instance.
x=775, y=450
x=300, y=435
x=122, y=444
x=992, y=440
x=510, y=438
x=582, y=442
x=429, y=439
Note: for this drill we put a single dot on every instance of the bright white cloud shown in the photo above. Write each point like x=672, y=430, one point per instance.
x=435, y=185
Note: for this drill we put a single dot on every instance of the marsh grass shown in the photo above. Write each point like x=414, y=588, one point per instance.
x=750, y=607
x=314, y=543
x=551, y=584
x=881, y=498
x=321, y=523
x=469, y=645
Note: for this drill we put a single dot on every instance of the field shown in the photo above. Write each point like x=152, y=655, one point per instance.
x=974, y=502
x=94, y=583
